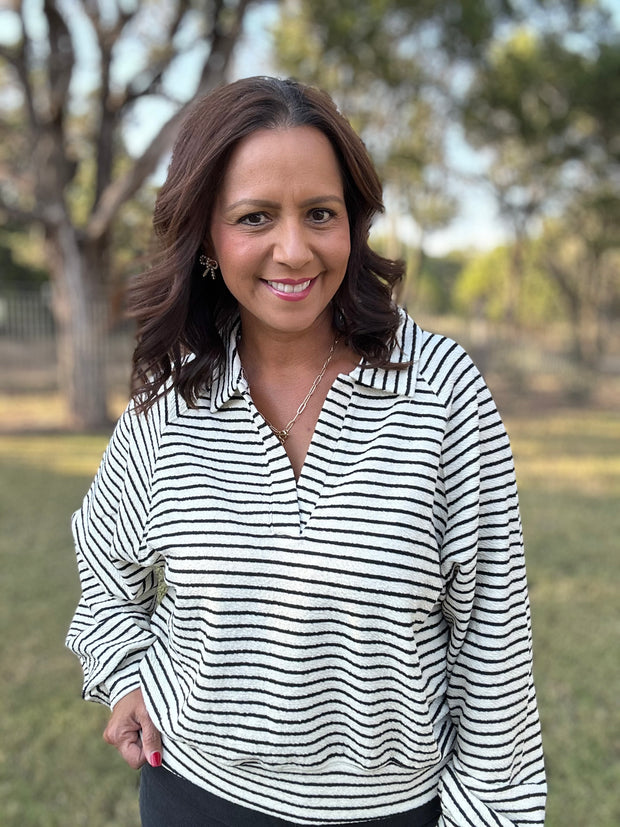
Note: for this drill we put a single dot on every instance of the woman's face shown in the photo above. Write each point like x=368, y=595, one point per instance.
x=280, y=229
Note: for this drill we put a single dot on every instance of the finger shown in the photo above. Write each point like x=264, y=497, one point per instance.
x=147, y=737
x=132, y=754
x=151, y=742
x=129, y=724
x=127, y=742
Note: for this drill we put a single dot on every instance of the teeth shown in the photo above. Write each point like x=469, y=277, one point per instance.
x=289, y=288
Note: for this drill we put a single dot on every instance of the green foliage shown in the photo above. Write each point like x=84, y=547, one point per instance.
x=555, y=99
x=431, y=289
x=389, y=65
x=22, y=263
x=376, y=35
x=581, y=254
x=536, y=85
x=545, y=106
x=486, y=288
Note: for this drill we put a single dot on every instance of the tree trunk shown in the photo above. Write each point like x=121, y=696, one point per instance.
x=515, y=278
x=80, y=310
x=589, y=334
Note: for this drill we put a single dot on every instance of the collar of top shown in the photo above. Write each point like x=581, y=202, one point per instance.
x=230, y=381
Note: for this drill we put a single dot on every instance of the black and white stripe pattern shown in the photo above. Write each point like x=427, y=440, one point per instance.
x=334, y=649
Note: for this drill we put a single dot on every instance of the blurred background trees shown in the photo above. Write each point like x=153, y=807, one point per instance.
x=76, y=77
x=92, y=94
x=545, y=106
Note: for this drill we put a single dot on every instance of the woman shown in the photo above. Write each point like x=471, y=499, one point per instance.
x=344, y=635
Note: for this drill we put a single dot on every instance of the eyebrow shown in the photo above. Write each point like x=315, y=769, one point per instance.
x=263, y=203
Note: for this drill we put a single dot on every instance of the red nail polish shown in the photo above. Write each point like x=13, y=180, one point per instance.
x=155, y=759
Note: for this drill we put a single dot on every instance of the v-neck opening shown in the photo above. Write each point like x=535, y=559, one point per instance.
x=316, y=468
x=294, y=499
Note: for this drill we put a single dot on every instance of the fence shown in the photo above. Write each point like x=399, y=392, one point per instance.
x=28, y=346
x=28, y=363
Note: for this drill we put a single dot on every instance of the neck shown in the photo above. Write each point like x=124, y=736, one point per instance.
x=284, y=354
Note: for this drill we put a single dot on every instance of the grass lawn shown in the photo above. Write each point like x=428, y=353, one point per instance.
x=569, y=476
x=55, y=770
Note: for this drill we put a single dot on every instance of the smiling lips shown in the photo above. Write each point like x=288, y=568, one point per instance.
x=291, y=290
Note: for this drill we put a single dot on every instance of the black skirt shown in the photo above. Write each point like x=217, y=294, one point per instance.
x=166, y=800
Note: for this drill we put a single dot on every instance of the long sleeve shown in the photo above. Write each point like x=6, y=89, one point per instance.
x=496, y=775
x=111, y=627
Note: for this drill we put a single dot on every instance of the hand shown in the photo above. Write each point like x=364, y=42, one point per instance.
x=132, y=732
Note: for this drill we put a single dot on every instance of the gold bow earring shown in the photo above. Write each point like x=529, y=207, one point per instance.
x=210, y=265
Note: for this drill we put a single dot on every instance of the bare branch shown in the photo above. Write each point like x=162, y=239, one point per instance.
x=133, y=91
x=121, y=190
x=223, y=40
x=223, y=43
x=105, y=128
x=18, y=58
x=61, y=60
x=112, y=33
x=112, y=105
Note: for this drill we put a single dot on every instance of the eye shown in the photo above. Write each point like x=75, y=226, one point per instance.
x=254, y=219
x=320, y=215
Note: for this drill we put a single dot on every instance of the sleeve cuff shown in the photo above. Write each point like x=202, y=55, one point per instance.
x=125, y=679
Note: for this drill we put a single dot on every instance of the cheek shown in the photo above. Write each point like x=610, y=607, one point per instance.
x=235, y=252
x=341, y=249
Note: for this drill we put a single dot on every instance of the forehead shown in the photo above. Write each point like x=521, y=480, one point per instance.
x=299, y=156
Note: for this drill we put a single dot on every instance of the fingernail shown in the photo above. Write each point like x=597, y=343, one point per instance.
x=155, y=759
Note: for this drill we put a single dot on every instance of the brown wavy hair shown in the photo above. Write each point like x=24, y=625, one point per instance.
x=180, y=313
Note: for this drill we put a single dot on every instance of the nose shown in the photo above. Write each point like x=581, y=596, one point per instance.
x=291, y=247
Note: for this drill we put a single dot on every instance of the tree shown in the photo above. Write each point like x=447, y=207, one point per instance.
x=544, y=105
x=581, y=253
x=394, y=66
x=64, y=128
x=483, y=290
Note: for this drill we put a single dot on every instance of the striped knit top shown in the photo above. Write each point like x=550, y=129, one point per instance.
x=332, y=649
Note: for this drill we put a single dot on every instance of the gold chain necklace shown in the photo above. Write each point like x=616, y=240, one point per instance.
x=283, y=433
